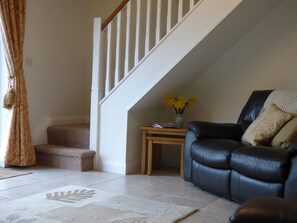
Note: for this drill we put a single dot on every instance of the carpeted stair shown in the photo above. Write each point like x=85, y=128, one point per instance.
x=67, y=148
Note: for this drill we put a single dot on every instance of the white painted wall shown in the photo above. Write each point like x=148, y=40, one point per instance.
x=265, y=58
x=58, y=43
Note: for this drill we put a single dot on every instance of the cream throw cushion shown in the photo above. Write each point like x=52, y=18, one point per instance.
x=265, y=127
x=286, y=135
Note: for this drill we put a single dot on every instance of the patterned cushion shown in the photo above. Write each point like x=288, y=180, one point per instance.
x=286, y=100
x=265, y=127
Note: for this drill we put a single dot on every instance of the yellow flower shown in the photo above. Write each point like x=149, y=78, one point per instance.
x=168, y=101
x=179, y=103
x=191, y=102
x=182, y=99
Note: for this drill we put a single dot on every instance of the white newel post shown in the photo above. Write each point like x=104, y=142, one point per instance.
x=97, y=91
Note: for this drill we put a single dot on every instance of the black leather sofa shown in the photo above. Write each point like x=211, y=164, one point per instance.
x=217, y=161
x=266, y=210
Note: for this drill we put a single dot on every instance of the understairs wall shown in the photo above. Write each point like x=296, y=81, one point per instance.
x=265, y=58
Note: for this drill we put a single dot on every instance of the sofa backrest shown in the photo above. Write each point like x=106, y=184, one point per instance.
x=252, y=108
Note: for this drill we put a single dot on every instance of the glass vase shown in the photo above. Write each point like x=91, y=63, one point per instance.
x=179, y=120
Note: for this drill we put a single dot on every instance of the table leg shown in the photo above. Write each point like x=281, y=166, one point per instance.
x=182, y=161
x=143, y=153
x=158, y=156
x=150, y=156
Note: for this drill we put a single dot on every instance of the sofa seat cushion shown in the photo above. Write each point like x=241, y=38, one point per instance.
x=262, y=163
x=214, y=152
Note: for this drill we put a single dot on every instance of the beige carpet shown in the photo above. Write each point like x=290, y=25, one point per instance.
x=77, y=204
x=8, y=172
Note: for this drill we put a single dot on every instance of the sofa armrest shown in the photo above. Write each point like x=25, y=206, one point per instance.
x=292, y=150
x=216, y=130
x=290, y=185
x=266, y=210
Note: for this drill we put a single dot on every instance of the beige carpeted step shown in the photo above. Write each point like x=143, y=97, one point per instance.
x=64, y=157
x=69, y=135
x=67, y=148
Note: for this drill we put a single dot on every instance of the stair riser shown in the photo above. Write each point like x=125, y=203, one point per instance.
x=68, y=137
x=65, y=162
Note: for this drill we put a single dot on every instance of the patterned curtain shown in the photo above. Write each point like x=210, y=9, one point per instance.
x=17, y=140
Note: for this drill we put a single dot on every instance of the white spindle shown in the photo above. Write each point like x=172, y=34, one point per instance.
x=137, y=35
x=118, y=50
x=180, y=10
x=148, y=25
x=192, y=3
x=128, y=30
x=169, y=15
x=158, y=22
x=108, y=59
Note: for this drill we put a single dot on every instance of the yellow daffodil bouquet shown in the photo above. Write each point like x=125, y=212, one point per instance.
x=179, y=103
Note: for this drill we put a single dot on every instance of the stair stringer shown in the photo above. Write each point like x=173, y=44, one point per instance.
x=113, y=109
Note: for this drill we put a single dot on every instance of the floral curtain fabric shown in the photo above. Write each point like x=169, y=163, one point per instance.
x=17, y=142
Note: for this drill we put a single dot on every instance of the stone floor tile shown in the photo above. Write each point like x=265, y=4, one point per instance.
x=184, y=189
x=171, y=199
x=221, y=208
x=203, y=217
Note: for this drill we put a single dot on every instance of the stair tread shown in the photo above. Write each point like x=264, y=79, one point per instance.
x=73, y=126
x=64, y=150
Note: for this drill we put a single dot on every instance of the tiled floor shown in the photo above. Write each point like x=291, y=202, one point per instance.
x=162, y=186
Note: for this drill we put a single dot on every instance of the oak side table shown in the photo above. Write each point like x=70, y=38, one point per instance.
x=169, y=136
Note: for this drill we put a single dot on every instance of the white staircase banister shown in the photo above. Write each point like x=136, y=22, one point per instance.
x=129, y=35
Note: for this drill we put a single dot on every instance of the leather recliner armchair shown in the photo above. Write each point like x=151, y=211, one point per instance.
x=216, y=160
x=266, y=210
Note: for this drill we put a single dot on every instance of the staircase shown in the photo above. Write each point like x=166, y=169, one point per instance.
x=149, y=49
x=67, y=148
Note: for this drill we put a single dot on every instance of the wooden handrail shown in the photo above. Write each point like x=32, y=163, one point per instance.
x=114, y=14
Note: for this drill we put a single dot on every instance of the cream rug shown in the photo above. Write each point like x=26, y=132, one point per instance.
x=77, y=204
x=8, y=172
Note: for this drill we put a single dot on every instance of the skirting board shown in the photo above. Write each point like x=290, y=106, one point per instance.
x=119, y=168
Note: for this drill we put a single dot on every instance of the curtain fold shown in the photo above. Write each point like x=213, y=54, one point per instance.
x=17, y=140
